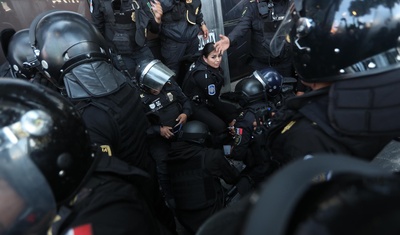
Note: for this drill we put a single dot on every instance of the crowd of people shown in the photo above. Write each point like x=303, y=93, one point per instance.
x=114, y=143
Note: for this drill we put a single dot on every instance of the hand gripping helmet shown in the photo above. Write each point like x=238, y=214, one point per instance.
x=63, y=40
x=45, y=154
x=153, y=74
x=20, y=56
x=194, y=131
x=334, y=40
x=249, y=90
x=271, y=79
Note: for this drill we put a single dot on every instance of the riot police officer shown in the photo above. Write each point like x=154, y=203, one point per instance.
x=254, y=94
x=44, y=137
x=202, y=84
x=263, y=19
x=167, y=108
x=124, y=25
x=195, y=171
x=109, y=103
x=336, y=67
x=182, y=23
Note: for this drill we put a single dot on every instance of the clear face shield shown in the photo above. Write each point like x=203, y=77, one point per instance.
x=282, y=34
x=27, y=205
x=154, y=75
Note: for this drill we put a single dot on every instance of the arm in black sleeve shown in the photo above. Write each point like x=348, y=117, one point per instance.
x=98, y=19
x=219, y=166
x=102, y=129
x=183, y=100
x=245, y=23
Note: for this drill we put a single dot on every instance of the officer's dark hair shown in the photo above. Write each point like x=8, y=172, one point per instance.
x=208, y=48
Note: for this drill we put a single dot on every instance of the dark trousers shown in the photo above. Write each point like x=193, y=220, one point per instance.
x=159, y=148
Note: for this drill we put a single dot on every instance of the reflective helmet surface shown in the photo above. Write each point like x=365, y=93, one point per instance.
x=194, y=131
x=20, y=55
x=334, y=40
x=50, y=131
x=153, y=74
x=63, y=40
x=271, y=79
x=249, y=90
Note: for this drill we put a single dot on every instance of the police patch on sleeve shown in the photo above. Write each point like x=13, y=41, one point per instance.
x=238, y=135
x=211, y=89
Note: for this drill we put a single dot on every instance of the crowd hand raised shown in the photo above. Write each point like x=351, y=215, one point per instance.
x=223, y=44
x=166, y=132
x=157, y=10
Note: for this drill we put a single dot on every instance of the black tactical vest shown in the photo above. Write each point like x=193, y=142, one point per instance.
x=165, y=107
x=124, y=110
x=193, y=187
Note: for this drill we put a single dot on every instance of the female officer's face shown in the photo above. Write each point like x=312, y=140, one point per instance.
x=213, y=59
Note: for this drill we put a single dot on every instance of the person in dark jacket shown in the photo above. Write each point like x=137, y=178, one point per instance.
x=124, y=25
x=44, y=136
x=195, y=172
x=262, y=18
x=182, y=22
x=107, y=100
x=167, y=109
x=203, y=84
x=255, y=95
x=21, y=63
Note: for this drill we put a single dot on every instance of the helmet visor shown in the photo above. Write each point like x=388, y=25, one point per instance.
x=27, y=205
x=155, y=74
x=282, y=34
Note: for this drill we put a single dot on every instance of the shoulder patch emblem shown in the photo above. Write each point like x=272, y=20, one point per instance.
x=106, y=149
x=211, y=89
x=238, y=135
x=288, y=126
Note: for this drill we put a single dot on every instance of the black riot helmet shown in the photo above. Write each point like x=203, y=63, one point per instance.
x=153, y=74
x=194, y=131
x=271, y=79
x=249, y=90
x=324, y=194
x=20, y=56
x=63, y=40
x=334, y=40
x=41, y=128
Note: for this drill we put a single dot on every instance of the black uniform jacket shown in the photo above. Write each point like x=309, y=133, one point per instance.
x=132, y=15
x=206, y=82
x=111, y=202
x=215, y=162
x=262, y=28
x=104, y=131
x=181, y=20
x=303, y=127
x=172, y=98
x=244, y=129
